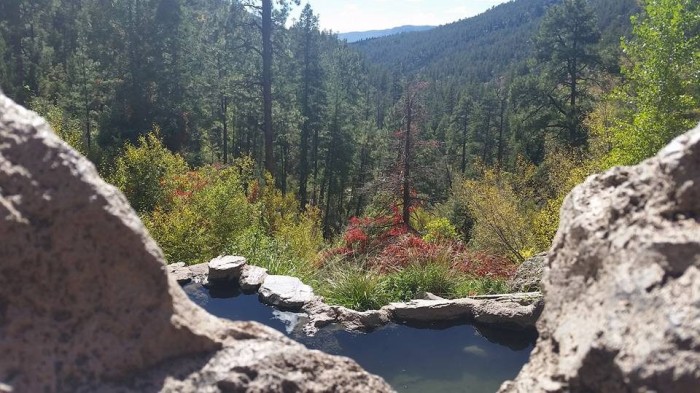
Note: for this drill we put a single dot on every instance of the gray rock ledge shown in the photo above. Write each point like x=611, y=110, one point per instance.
x=252, y=277
x=226, y=268
x=285, y=292
x=513, y=311
x=622, y=282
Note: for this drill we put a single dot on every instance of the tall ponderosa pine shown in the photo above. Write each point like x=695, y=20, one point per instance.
x=267, y=24
x=311, y=92
x=566, y=44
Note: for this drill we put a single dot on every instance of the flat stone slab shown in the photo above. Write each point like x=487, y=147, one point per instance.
x=362, y=320
x=184, y=274
x=285, y=292
x=226, y=268
x=180, y=272
x=504, y=313
x=252, y=278
x=200, y=273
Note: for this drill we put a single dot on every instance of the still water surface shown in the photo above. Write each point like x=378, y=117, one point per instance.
x=425, y=359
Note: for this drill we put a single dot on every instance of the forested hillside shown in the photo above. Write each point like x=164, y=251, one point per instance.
x=355, y=36
x=488, y=45
x=384, y=167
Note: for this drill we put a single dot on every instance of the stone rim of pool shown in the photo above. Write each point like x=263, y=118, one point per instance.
x=517, y=311
x=415, y=357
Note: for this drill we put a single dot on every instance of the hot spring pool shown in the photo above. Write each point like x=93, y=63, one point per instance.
x=435, y=358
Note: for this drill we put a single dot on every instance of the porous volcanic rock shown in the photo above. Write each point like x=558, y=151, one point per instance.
x=285, y=292
x=622, y=287
x=252, y=278
x=226, y=268
x=528, y=277
x=90, y=305
x=507, y=314
x=180, y=272
x=184, y=274
x=362, y=320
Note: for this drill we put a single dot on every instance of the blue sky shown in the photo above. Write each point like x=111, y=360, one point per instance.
x=359, y=15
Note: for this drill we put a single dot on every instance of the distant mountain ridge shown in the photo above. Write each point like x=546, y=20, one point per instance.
x=483, y=47
x=355, y=36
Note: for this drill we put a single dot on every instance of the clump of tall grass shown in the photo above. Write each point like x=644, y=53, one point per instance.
x=354, y=288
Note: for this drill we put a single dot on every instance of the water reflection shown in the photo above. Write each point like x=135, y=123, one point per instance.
x=428, y=358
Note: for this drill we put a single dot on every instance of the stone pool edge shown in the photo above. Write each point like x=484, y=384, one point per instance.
x=516, y=311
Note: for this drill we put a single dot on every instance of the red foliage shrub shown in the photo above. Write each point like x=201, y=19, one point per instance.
x=183, y=186
x=387, y=245
x=481, y=264
x=356, y=239
x=403, y=251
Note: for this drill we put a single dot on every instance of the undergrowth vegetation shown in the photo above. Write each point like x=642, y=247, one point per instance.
x=198, y=214
x=380, y=259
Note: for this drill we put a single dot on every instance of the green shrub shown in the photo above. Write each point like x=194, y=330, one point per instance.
x=273, y=254
x=212, y=211
x=203, y=215
x=143, y=172
x=502, y=225
x=440, y=229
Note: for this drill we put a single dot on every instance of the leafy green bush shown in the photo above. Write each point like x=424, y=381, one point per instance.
x=66, y=127
x=205, y=212
x=197, y=215
x=501, y=225
x=144, y=172
x=440, y=229
x=272, y=253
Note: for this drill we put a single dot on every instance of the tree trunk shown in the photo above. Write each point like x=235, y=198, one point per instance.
x=267, y=85
x=224, y=104
x=86, y=106
x=304, y=138
x=500, y=133
x=407, y=162
x=464, y=145
x=361, y=179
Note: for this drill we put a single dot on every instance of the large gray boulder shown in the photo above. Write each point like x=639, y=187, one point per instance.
x=252, y=277
x=285, y=292
x=226, y=268
x=86, y=303
x=622, y=287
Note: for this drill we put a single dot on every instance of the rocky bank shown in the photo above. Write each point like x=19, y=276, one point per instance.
x=86, y=303
x=515, y=311
x=622, y=282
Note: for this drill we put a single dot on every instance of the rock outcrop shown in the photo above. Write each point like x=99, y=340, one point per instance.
x=528, y=277
x=514, y=310
x=252, y=277
x=185, y=274
x=86, y=303
x=285, y=292
x=507, y=314
x=622, y=286
x=226, y=268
